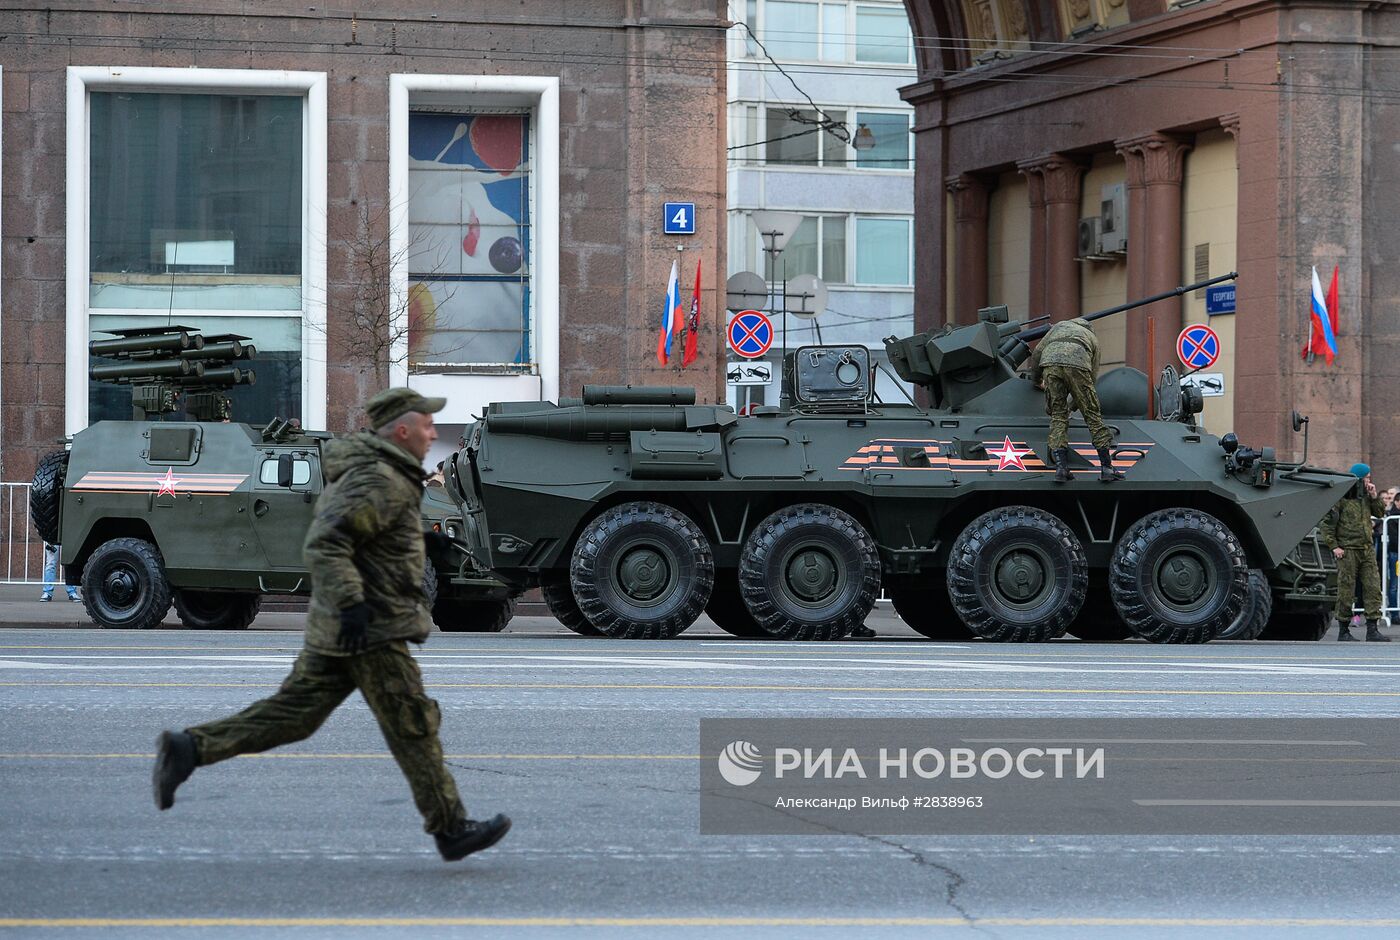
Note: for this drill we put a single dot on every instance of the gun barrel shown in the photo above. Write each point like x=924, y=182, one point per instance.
x=637, y=395
x=228, y=349
x=579, y=424
x=1030, y=335
x=146, y=369
x=174, y=342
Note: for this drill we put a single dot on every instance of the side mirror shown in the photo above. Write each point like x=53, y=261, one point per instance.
x=284, y=470
x=1298, y=422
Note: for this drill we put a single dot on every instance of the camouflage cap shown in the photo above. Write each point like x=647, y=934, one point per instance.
x=396, y=402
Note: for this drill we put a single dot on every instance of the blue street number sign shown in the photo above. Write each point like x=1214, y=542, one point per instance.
x=1198, y=347
x=750, y=334
x=1220, y=299
x=680, y=218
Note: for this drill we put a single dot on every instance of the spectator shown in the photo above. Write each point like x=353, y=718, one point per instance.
x=51, y=575
x=437, y=477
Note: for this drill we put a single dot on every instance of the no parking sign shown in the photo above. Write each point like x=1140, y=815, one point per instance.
x=1198, y=347
x=750, y=334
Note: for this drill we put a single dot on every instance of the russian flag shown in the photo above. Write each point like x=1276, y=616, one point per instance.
x=1323, y=338
x=671, y=317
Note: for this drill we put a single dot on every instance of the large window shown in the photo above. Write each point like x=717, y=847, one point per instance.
x=469, y=242
x=833, y=31
x=882, y=34
x=197, y=213
x=795, y=139
x=883, y=251
x=818, y=247
x=891, y=131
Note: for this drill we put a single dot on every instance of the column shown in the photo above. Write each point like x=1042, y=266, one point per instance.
x=970, y=207
x=1163, y=168
x=1135, y=335
x=1035, y=186
x=1061, y=177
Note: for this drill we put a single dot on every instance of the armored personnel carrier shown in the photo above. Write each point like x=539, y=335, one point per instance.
x=204, y=512
x=635, y=509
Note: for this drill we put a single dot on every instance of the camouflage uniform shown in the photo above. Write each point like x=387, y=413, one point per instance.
x=1066, y=362
x=1348, y=527
x=364, y=546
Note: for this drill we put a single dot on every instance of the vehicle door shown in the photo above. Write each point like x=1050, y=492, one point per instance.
x=286, y=482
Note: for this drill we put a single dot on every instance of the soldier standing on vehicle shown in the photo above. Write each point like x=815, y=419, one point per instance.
x=1064, y=364
x=364, y=552
x=1347, y=532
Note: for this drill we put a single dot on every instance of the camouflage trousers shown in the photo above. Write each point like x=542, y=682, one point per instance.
x=1358, y=564
x=1061, y=384
x=392, y=686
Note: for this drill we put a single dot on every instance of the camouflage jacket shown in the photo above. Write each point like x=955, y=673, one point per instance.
x=1069, y=343
x=366, y=544
x=1348, y=525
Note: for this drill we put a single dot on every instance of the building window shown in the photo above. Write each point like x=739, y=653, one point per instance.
x=469, y=242
x=817, y=247
x=795, y=139
x=891, y=150
x=883, y=251
x=195, y=191
x=882, y=34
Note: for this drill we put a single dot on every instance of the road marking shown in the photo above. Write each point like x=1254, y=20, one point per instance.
x=653, y=922
x=916, y=698
x=1360, y=804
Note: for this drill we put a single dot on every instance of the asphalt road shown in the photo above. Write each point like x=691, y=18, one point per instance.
x=591, y=746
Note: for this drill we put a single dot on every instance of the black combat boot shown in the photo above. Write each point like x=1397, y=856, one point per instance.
x=1060, y=455
x=176, y=758
x=1343, y=633
x=1374, y=634
x=471, y=836
x=1107, y=472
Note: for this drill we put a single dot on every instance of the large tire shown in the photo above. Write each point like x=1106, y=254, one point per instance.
x=642, y=571
x=1254, y=615
x=928, y=611
x=1307, y=627
x=727, y=609
x=1017, y=575
x=559, y=598
x=217, y=610
x=430, y=583
x=809, y=572
x=1178, y=576
x=124, y=585
x=46, y=493
x=458, y=616
x=1098, y=620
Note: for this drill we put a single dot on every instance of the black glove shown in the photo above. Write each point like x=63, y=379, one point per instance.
x=354, y=628
x=437, y=542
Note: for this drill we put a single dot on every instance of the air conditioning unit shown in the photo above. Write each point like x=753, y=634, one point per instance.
x=1089, y=245
x=1113, y=220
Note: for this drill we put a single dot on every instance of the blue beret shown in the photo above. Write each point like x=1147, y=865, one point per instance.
x=1360, y=471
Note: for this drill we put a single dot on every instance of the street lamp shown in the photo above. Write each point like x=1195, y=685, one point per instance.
x=864, y=139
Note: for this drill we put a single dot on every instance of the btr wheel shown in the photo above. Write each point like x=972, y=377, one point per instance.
x=1178, y=576
x=1017, y=575
x=124, y=585
x=1254, y=615
x=809, y=572
x=642, y=571
x=459, y=616
x=217, y=610
x=927, y=610
x=559, y=598
x=727, y=609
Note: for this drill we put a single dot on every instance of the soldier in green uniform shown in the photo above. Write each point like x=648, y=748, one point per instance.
x=365, y=555
x=1065, y=364
x=1347, y=532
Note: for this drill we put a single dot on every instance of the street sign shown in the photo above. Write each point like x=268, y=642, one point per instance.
x=1198, y=347
x=1211, y=384
x=753, y=372
x=680, y=218
x=750, y=334
x=1220, y=299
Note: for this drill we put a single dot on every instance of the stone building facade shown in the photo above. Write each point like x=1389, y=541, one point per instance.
x=467, y=197
x=1220, y=135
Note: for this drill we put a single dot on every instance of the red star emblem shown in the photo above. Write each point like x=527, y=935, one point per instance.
x=1009, y=456
x=166, y=485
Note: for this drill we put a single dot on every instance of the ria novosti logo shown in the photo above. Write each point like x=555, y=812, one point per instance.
x=740, y=763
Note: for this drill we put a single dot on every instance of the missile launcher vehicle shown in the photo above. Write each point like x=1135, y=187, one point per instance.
x=635, y=509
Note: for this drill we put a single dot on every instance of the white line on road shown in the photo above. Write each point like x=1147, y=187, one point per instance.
x=954, y=697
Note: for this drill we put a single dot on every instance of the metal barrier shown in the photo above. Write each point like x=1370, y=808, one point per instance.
x=22, y=551
x=1388, y=544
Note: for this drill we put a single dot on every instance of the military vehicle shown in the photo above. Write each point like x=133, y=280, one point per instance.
x=207, y=513
x=634, y=509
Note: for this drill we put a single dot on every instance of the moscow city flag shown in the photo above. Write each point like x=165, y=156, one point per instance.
x=670, y=316
x=1323, y=316
x=692, y=324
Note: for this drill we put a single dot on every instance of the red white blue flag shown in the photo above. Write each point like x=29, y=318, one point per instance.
x=671, y=316
x=1323, y=316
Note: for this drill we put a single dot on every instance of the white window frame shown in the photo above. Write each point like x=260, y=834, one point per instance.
x=853, y=44
x=854, y=125
x=466, y=394
x=765, y=136
x=311, y=86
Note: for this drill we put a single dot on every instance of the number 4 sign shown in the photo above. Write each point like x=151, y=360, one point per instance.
x=680, y=218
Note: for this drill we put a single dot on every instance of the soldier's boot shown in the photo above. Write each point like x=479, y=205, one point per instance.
x=1107, y=472
x=1343, y=634
x=176, y=758
x=1060, y=455
x=1374, y=634
x=471, y=836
